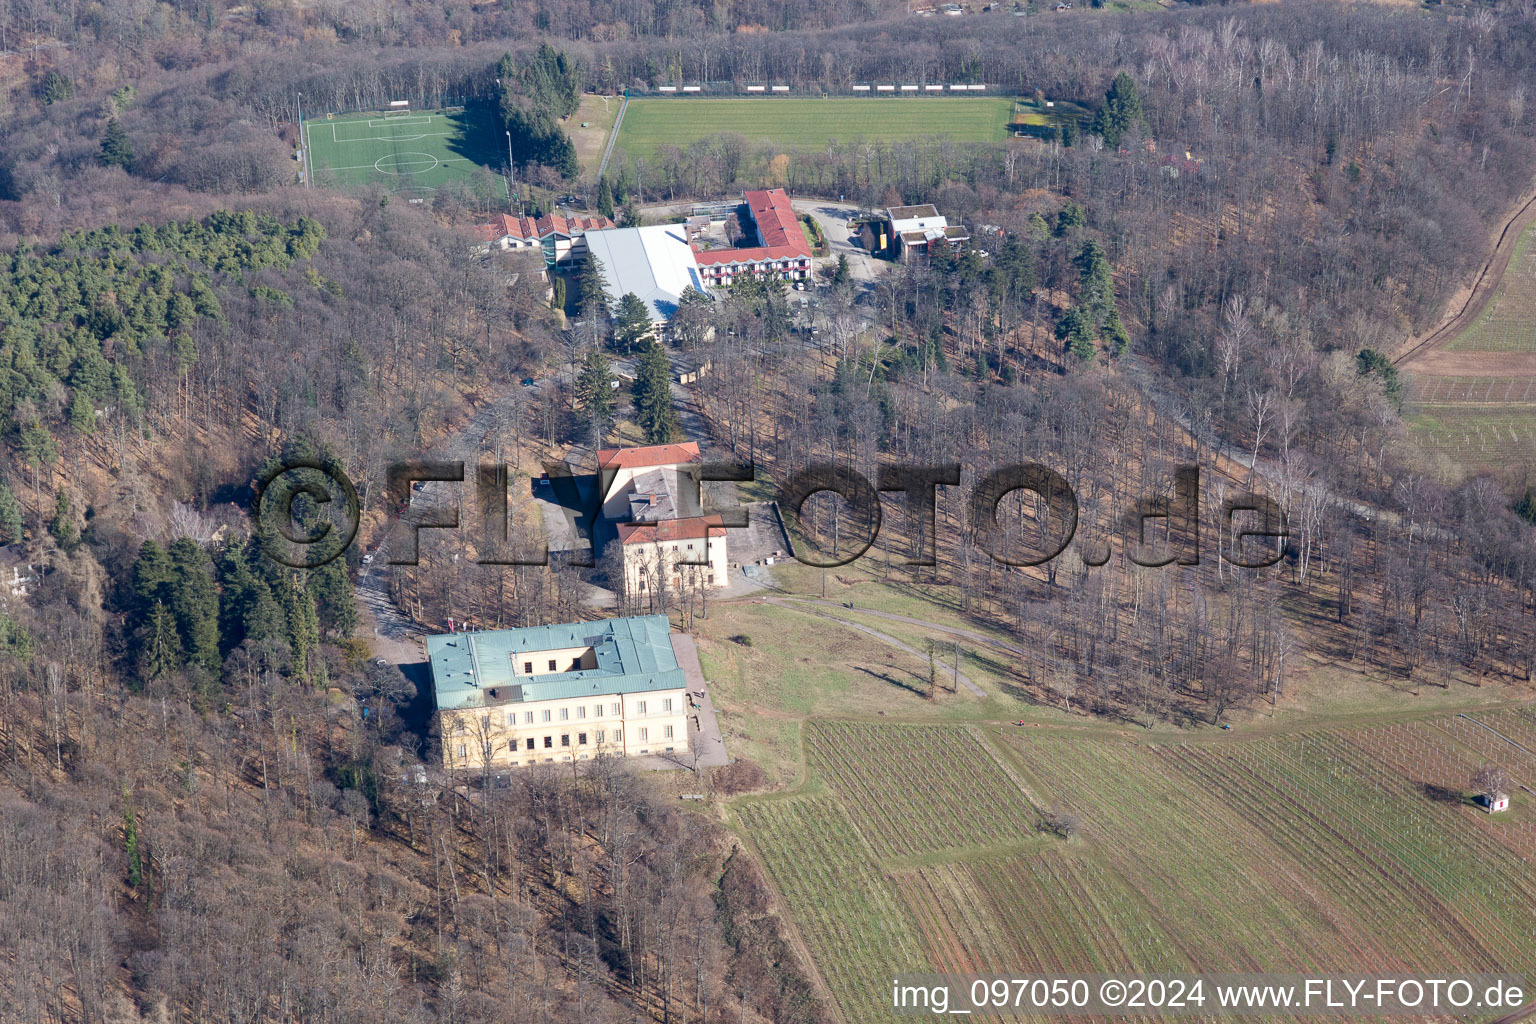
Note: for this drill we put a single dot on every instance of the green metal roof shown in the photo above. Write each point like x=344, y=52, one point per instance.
x=471, y=670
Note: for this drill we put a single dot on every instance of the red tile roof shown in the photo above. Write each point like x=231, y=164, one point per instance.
x=714, y=257
x=649, y=455
x=561, y=225
x=776, y=220
x=504, y=225
x=528, y=229
x=692, y=528
x=783, y=237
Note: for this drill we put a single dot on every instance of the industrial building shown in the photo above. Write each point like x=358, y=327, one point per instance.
x=655, y=263
x=658, y=263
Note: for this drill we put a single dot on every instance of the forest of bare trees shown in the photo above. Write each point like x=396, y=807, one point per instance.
x=189, y=832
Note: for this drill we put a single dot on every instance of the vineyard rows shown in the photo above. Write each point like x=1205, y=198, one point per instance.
x=858, y=931
x=917, y=789
x=1207, y=875
x=1474, y=390
x=1475, y=435
x=1509, y=323
x=1319, y=795
x=1352, y=849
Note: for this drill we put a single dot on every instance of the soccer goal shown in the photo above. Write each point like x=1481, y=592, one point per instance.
x=398, y=108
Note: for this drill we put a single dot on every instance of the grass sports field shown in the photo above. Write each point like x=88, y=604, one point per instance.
x=920, y=847
x=417, y=152
x=650, y=124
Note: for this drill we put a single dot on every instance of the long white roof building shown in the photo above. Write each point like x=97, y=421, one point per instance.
x=655, y=262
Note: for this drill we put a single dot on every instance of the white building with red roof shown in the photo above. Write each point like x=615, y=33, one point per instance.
x=782, y=252
x=562, y=238
x=652, y=495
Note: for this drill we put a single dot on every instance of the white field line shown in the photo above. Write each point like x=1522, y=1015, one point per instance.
x=374, y=166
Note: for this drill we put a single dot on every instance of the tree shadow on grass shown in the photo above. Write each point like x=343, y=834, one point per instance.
x=920, y=688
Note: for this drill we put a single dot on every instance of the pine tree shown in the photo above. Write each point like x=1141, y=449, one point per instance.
x=1115, y=333
x=334, y=602
x=62, y=526
x=1121, y=110
x=1076, y=329
x=15, y=641
x=116, y=150
x=632, y=323
x=594, y=301
x=11, y=530
x=653, y=396
x=153, y=576
x=303, y=625
x=1070, y=216
x=195, y=603
x=82, y=413
x=56, y=88
x=594, y=392
x=239, y=590
x=1097, y=288
x=1526, y=509
x=604, y=197
x=160, y=647
x=843, y=273
x=37, y=446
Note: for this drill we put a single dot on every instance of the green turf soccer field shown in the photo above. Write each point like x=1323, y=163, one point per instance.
x=417, y=153
x=803, y=123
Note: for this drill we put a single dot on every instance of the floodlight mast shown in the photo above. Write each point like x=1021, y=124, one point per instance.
x=298, y=102
x=511, y=172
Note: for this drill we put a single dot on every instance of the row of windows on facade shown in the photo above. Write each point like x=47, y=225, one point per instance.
x=581, y=739
x=676, y=580
x=581, y=712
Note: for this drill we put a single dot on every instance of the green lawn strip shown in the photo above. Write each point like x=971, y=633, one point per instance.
x=807, y=124
x=804, y=664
